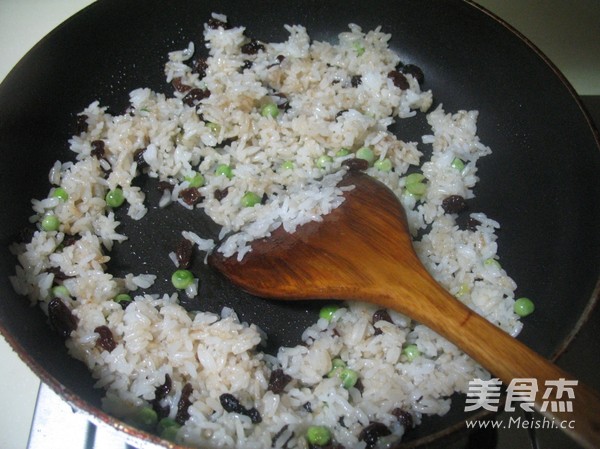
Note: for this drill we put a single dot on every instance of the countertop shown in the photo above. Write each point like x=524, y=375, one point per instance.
x=566, y=31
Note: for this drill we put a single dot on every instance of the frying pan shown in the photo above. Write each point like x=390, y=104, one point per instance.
x=541, y=182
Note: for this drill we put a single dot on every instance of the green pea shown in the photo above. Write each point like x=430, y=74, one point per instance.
x=123, y=299
x=250, y=199
x=415, y=185
x=182, y=279
x=287, y=165
x=318, y=435
x=115, y=197
x=349, y=378
x=197, y=180
x=358, y=47
x=411, y=352
x=337, y=365
x=60, y=193
x=523, y=307
x=60, y=291
x=214, y=128
x=327, y=312
x=342, y=152
x=366, y=153
x=462, y=290
x=457, y=164
x=491, y=263
x=224, y=170
x=50, y=223
x=323, y=161
x=414, y=178
x=383, y=164
x=269, y=110
x=167, y=423
x=170, y=433
x=145, y=417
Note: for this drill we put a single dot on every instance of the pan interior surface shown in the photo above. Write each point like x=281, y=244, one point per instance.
x=540, y=183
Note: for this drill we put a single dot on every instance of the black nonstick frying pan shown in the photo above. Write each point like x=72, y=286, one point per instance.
x=541, y=183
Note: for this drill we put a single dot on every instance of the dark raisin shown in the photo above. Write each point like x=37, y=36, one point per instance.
x=340, y=113
x=307, y=406
x=190, y=196
x=199, y=66
x=282, y=101
x=221, y=193
x=184, y=252
x=215, y=24
x=356, y=164
x=372, y=433
x=472, y=224
x=230, y=403
x=70, y=239
x=264, y=198
x=252, y=47
x=98, y=149
x=179, y=86
x=415, y=71
x=138, y=157
x=61, y=318
x=105, y=339
x=356, y=80
x=404, y=418
x=81, y=125
x=184, y=403
x=254, y=415
x=160, y=393
x=278, y=60
x=454, y=204
x=59, y=275
x=247, y=64
x=164, y=185
x=193, y=97
x=359, y=385
x=278, y=380
x=381, y=315
x=398, y=79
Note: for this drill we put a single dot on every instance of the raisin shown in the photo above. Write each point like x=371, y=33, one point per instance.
x=278, y=380
x=403, y=418
x=381, y=315
x=179, y=86
x=231, y=405
x=193, y=97
x=105, y=340
x=398, y=79
x=415, y=71
x=190, y=196
x=356, y=80
x=98, y=149
x=307, y=406
x=199, y=66
x=356, y=164
x=184, y=403
x=183, y=252
x=59, y=275
x=81, y=125
x=282, y=101
x=138, y=157
x=221, y=193
x=215, y=24
x=252, y=47
x=340, y=113
x=160, y=393
x=372, y=433
x=278, y=60
x=70, y=240
x=454, y=204
x=61, y=318
x=247, y=64
x=472, y=224
x=164, y=185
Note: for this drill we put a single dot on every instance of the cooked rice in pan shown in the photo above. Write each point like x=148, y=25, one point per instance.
x=279, y=120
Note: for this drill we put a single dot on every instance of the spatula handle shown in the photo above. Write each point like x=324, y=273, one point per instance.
x=567, y=403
